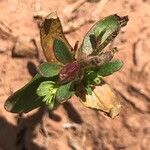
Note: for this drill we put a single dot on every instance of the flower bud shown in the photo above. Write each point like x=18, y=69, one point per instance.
x=69, y=72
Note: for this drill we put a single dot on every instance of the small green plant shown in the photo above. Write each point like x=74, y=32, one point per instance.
x=73, y=71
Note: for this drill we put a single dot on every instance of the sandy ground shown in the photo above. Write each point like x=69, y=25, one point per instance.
x=72, y=126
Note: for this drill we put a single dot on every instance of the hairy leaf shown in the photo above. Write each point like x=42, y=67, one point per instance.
x=62, y=52
x=48, y=69
x=110, y=67
x=64, y=92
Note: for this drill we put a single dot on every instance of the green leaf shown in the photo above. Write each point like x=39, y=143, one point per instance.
x=45, y=88
x=50, y=30
x=25, y=99
x=110, y=67
x=64, y=92
x=101, y=34
x=48, y=69
x=62, y=52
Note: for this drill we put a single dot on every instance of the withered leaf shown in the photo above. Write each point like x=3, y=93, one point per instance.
x=102, y=98
x=50, y=30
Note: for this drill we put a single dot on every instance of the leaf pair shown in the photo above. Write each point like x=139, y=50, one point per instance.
x=54, y=43
x=57, y=48
x=101, y=34
x=54, y=82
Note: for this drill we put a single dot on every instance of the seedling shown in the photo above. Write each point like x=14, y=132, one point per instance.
x=73, y=71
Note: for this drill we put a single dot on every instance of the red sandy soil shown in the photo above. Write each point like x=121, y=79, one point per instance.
x=73, y=126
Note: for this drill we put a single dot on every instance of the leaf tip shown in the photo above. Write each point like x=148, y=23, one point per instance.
x=115, y=111
x=52, y=15
x=8, y=105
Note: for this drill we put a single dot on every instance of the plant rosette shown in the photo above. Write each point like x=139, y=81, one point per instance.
x=73, y=71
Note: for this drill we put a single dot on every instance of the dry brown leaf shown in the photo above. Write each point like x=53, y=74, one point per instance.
x=103, y=98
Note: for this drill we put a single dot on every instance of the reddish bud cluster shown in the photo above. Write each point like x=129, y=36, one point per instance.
x=69, y=72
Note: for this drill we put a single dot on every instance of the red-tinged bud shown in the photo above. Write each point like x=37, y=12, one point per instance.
x=69, y=72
